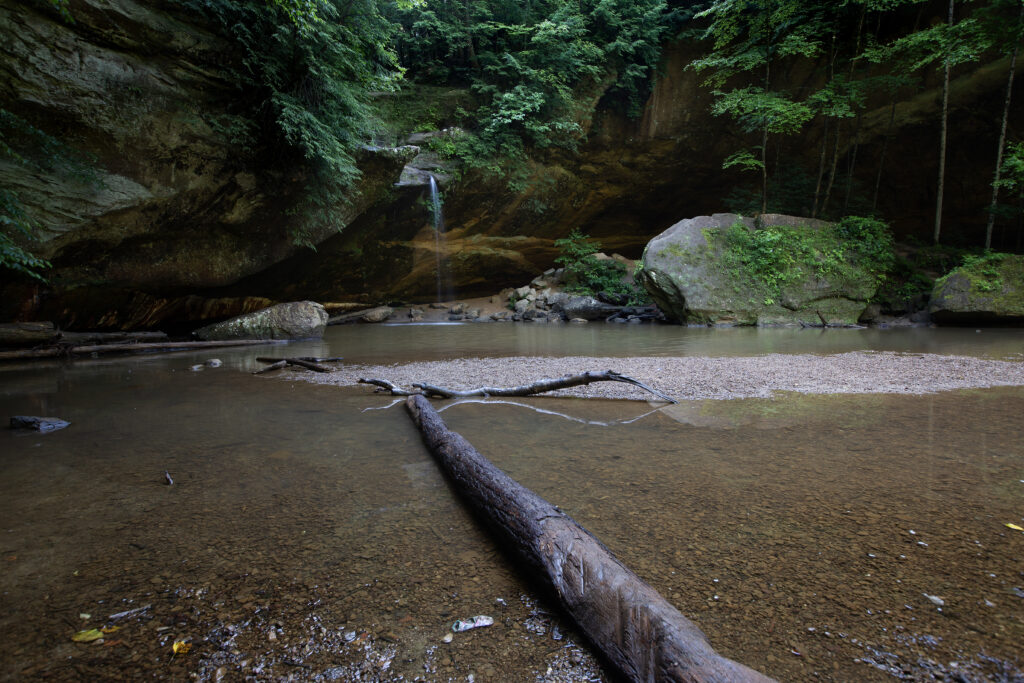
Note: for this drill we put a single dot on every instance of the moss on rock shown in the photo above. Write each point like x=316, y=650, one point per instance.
x=986, y=289
x=778, y=270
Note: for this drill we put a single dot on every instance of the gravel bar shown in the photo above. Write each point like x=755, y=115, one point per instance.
x=707, y=378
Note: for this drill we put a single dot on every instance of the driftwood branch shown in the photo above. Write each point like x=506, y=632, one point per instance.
x=273, y=366
x=537, y=387
x=69, y=351
x=639, y=631
x=307, y=362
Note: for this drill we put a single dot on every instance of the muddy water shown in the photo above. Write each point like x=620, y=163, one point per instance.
x=308, y=538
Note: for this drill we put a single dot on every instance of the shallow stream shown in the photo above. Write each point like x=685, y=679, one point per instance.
x=308, y=534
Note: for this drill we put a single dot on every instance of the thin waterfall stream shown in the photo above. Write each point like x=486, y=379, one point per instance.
x=445, y=286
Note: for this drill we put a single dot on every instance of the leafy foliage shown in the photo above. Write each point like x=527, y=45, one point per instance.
x=307, y=70
x=586, y=274
x=31, y=149
x=533, y=67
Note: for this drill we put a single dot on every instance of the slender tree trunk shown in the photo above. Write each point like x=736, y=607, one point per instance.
x=942, y=138
x=885, y=147
x=824, y=135
x=764, y=135
x=821, y=168
x=1002, y=138
x=853, y=163
x=764, y=169
x=835, y=164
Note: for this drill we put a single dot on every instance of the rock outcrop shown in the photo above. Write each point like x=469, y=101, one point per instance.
x=168, y=202
x=693, y=276
x=986, y=291
x=295, y=320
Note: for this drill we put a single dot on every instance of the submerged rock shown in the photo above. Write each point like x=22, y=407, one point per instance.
x=695, y=277
x=38, y=424
x=988, y=290
x=295, y=320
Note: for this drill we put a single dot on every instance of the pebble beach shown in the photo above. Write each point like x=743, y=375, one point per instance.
x=694, y=378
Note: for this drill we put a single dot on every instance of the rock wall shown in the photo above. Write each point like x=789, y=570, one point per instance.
x=170, y=204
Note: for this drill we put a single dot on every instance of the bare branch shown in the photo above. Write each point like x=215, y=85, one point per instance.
x=538, y=387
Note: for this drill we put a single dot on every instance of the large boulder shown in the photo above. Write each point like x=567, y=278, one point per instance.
x=984, y=291
x=778, y=270
x=295, y=320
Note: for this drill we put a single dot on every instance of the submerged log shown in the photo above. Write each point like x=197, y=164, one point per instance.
x=538, y=387
x=639, y=631
x=72, y=350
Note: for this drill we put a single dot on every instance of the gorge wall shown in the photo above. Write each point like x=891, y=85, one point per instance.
x=178, y=223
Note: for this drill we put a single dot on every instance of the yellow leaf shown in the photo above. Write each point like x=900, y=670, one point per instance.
x=87, y=636
x=110, y=629
x=1015, y=527
x=180, y=647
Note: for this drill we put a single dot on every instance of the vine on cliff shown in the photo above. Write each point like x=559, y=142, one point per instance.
x=306, y=71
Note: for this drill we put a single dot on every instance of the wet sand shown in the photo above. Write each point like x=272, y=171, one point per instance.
x=694, y=378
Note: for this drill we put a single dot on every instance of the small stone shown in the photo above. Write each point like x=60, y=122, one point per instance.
x=214, y=363
x=272, y=635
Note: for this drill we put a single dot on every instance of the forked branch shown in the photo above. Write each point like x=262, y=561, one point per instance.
x=538, y=387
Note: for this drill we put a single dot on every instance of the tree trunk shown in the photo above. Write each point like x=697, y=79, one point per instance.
x=1002, y=138
x=821, y=168
x=835, y=165
x=853, y=163
x=881, y=158
x=942, y=139
x=639, y=631
x=27, y=334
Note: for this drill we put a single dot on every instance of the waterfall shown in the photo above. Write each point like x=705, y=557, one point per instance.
x=445, y=288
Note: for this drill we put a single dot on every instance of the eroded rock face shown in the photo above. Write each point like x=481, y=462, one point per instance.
x=689, y=273
x=294, y=320
x=986, y=292
x=168, y=203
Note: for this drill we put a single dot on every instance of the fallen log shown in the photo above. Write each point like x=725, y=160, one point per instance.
x=68, y=351
x=27, y=334
x=111, y=337
x=537, y=387
x=639, y=631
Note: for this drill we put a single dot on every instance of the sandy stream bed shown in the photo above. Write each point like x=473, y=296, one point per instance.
x=693, y=378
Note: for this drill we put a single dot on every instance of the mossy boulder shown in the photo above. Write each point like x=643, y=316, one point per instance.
x=294, y=320
x=986, y=290
x=776, y=270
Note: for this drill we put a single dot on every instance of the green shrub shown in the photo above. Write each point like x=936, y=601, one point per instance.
x=585, y=274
